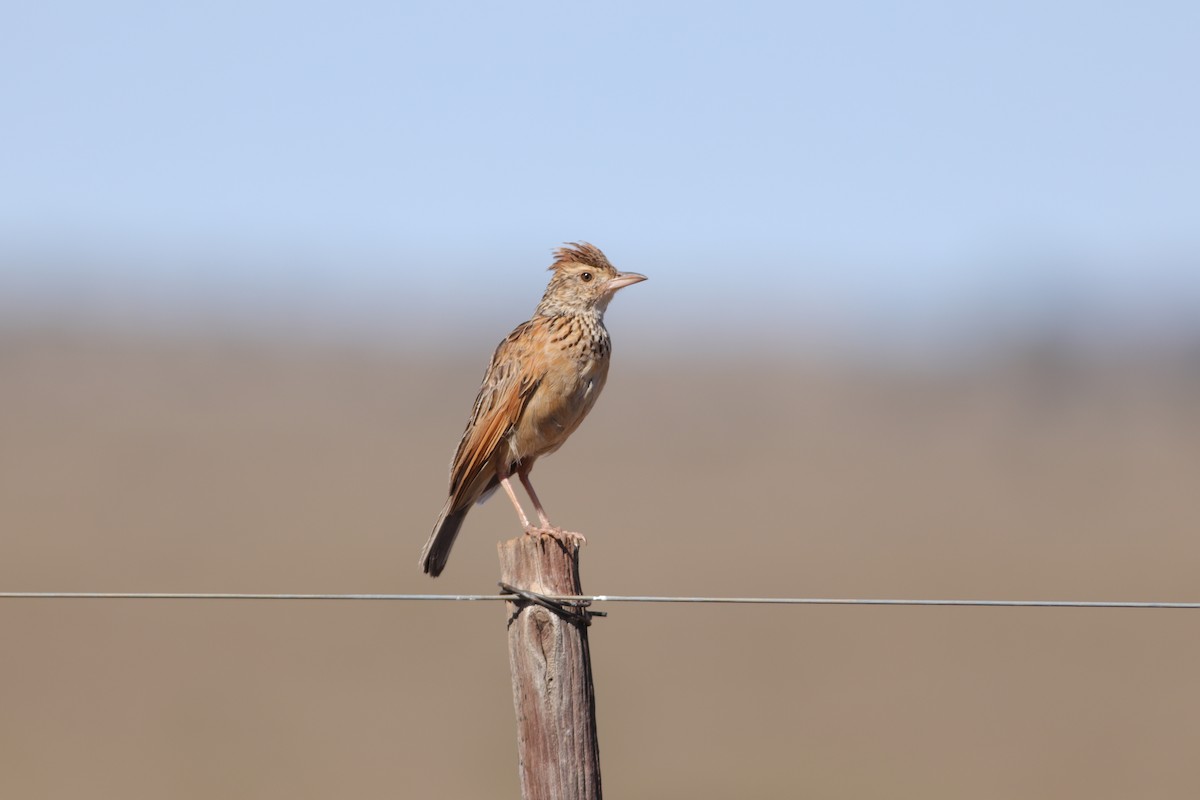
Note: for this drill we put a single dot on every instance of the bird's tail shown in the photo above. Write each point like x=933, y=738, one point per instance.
x=437, y=550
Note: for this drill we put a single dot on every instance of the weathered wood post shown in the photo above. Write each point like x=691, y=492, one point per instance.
x=551, y=671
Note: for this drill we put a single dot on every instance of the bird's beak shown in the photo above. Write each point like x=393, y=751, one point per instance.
x=624, y=279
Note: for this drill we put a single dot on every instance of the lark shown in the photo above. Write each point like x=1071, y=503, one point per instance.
x=543, y=380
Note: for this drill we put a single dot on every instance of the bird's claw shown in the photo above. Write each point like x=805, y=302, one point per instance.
x=569, y=537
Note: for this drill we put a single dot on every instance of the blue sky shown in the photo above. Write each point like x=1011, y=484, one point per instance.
x=872, y=156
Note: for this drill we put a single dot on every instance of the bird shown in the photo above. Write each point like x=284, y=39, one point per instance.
x=543, y=380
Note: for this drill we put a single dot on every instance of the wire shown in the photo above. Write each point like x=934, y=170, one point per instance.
x=601, y=598
x=239, y=596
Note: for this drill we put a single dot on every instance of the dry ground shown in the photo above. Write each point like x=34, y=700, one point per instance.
x=159, y=465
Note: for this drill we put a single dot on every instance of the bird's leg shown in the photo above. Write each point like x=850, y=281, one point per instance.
x=523, y=474
x=516, y=504
x=578, y=538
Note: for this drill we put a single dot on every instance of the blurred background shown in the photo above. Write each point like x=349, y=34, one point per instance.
x=923, y=320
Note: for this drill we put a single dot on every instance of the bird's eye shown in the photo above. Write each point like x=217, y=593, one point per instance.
x=585, y=276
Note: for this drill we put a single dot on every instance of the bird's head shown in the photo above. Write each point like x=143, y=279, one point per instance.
x=583, y=281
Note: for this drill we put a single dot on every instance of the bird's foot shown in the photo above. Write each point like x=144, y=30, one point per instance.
x=570, y=537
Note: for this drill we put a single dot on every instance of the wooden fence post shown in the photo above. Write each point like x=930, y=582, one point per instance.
x=551, y=672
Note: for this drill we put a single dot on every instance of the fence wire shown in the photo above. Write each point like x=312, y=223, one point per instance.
x=602, y=598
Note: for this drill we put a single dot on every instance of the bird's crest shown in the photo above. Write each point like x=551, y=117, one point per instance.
x=580, y=253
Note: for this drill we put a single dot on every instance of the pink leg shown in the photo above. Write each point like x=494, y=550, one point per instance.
x=537, y=504
x=578, y=538
x=516, y=504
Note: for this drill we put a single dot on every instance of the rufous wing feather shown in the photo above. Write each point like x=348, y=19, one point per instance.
x=506, y=390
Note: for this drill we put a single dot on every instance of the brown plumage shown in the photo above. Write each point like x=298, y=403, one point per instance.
x=543, y=380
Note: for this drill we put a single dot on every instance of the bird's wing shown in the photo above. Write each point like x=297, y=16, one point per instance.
x=510, y=381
